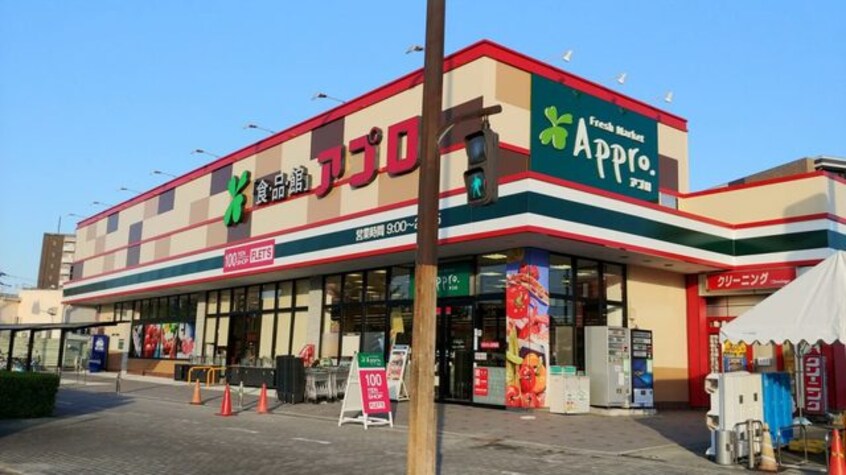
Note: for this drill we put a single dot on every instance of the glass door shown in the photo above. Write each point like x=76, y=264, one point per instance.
x=454, y=355
x=244, y=337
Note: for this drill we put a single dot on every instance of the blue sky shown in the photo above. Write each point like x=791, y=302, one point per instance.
x=94, y=95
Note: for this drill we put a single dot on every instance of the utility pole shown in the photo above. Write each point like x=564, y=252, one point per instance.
x=422, y=425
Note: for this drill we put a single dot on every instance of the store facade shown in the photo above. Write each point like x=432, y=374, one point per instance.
x=305, y=241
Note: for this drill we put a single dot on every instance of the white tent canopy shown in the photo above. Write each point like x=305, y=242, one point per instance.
x=810, y=309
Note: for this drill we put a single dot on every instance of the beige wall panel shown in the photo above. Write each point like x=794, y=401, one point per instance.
x=109, y=262
x=118, y=238
x=191, y=191
x=161, y=248
x=296, y=152
x=468, y=82
x=358, y=199
x=217, y=206
x=657, y=302
x=215, y=233
x=453, y=165
x=328, y=207
x=513, y=125
x=673, y=143
x=275, y=218
x=120, y=258
x=99, y=244
x=397, y=188
x=513, y=86
x=384, y=114
x=269, y=162
x=186, y=241
x=84, y=246
x=774, y=201
x=130, y=215
x=199, y=211
x=837, y=190
x=90, y=232
x=148, y=252
x=151, y=207
x=94, y=266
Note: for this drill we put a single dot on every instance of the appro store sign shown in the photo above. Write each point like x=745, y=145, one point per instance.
x=584, y=139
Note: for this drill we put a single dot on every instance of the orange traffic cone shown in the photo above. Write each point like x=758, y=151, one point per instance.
x=226, y=406
x=768, y=461
x=197, y=400
x=836, y=465
x=262, y=402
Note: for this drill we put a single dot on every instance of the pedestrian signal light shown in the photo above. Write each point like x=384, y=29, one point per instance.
x=480, y=179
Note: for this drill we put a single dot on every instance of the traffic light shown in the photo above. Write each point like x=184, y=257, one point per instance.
x=480, y=179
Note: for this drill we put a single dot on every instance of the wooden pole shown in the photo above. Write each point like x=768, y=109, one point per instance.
x=422, y=425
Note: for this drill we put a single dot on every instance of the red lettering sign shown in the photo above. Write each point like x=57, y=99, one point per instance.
x=812, y=379
x=750, y=279
x=480, y=382
x=489, y=345
x=248, y=256
x=374, y=390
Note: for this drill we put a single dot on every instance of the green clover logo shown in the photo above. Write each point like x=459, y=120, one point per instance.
x=556, y=133
x=236, y=207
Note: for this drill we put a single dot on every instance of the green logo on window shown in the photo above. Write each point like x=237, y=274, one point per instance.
x=235, y=211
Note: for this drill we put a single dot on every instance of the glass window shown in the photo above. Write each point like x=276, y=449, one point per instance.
x=401, y=282
x=614, y=315
x=163, y=308
x=612, y=276
x=560, y=275
x=239, y=299
x=222, y=337
x=588, y=279
x=286, y=294
x=561, y=332
x=401, y=324
x=211, y=303
x=266, y=342
x=331, y=332
x=300, y=338
x=225, y=301
x=492, y=273
x=492, y=316
x=193, y=301
x=303, y=288
x=253, y=301
x=374, y=329
x=268, y=297
x=332, y=290
x=283, y=333
x=353, y=287
x=376, y=285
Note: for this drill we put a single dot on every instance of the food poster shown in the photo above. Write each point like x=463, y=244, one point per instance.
x=168, y=340
x=137, y=339
x=527, y=328
x=152, y=340
x=186, y=340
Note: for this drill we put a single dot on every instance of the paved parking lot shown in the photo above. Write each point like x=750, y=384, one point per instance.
x=150, y=428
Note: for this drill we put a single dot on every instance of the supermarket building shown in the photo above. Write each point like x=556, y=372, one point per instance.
x=308, y=236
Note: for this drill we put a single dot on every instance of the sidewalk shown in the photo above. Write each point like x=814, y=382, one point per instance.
x=680, y=432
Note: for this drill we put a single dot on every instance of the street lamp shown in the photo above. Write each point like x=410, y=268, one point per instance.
x=100, y=203
x=159, y=172
x=199, y=150
x=322, y=95
x=258, y=127
x=414, y=49
x=74, y=215
x=123, y=188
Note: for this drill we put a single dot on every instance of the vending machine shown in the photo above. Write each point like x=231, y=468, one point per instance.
x=642, y=380
x=608, y=364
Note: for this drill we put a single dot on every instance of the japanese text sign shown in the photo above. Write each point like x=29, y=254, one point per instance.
x=480, y=382
x=813, y=381
x=750, y=279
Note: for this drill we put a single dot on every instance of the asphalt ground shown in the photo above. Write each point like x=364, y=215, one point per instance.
x=150, y=428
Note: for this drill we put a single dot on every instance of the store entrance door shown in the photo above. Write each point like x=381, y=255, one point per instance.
x=244, y=337
x=454, y=352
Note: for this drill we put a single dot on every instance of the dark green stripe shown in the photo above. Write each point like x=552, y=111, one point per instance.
x=508, y=206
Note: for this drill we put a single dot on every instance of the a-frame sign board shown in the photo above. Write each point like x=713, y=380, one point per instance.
x=366, y=393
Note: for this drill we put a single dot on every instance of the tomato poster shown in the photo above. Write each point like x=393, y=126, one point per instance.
x=163, y=340
x=527, y=328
